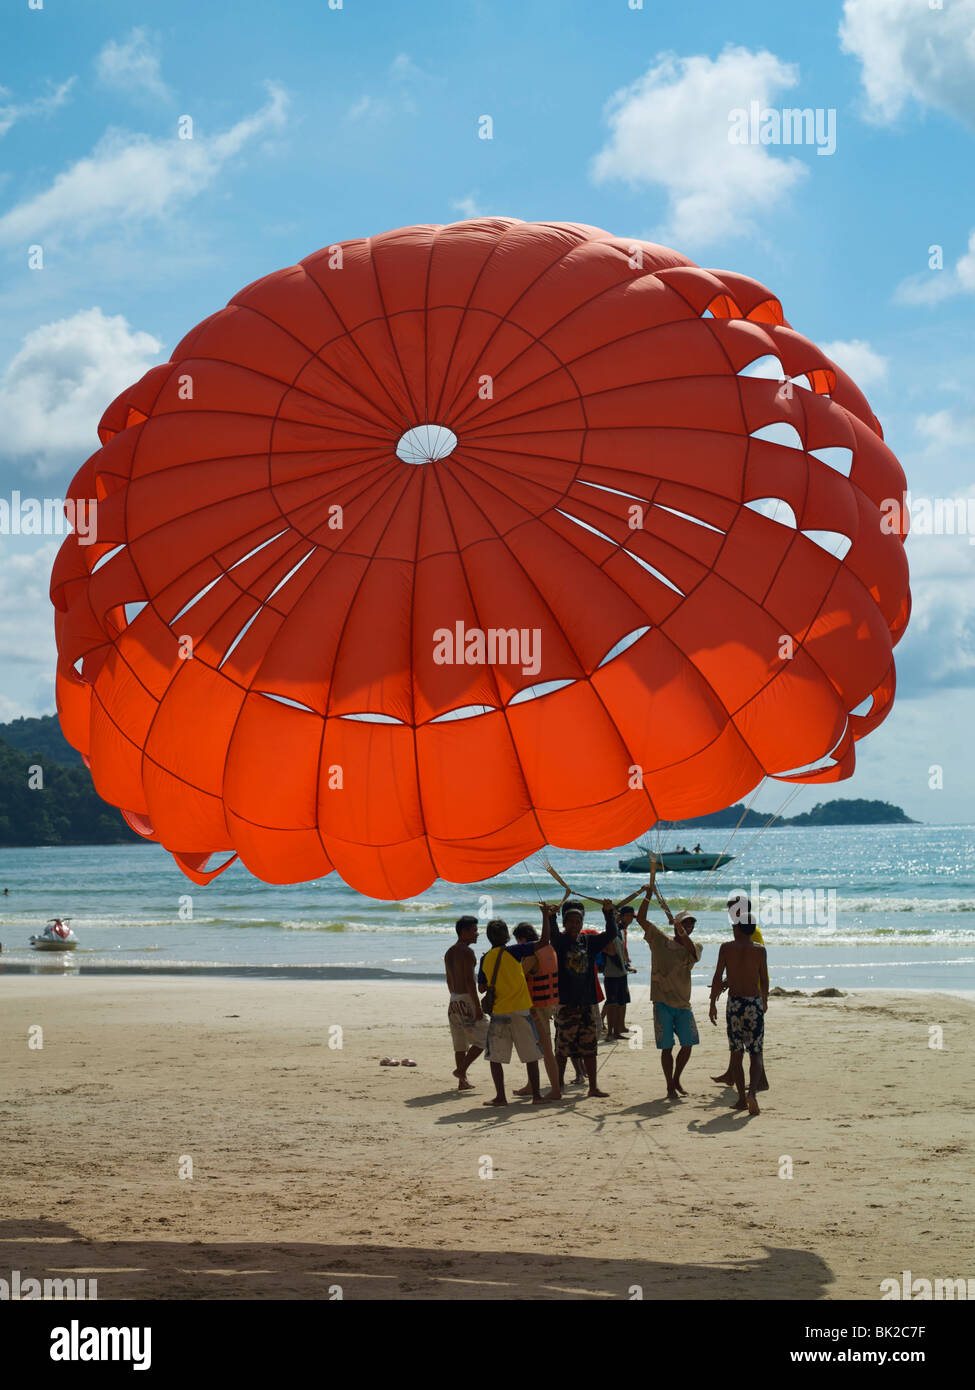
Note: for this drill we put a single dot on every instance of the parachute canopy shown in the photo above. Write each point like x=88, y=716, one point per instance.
x=449, y=543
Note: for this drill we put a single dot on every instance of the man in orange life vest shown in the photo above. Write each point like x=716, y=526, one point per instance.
x=541, y=967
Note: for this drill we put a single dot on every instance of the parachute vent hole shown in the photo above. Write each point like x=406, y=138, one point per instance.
x=201, y=593
x=258, y=548
x=776, y=509
x=766, y=368
x=239, y=638
x=76, y=666
x=535, y=692
x=104, y=559
x=833, y=542
x=621, y=646
x=464, y=712
x=836, y=457
x=645, y=565
x=290, y=575
x=864, y=707
x=371, y=719
x=285, y=700
x=617, y=492
x=686, y=516
x=779, y=432
x=585, y=526
x=426, y=444
x=132, y=611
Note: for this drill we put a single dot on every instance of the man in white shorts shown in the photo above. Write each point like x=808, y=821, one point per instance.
x=511, y=1020
x=468, y=1023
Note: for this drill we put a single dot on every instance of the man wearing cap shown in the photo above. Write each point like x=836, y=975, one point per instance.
x=577, y=1021
x=672, y=958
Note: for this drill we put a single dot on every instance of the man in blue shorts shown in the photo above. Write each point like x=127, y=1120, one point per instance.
x=670, y=992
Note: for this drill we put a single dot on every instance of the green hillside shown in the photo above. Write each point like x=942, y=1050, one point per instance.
x=41, y=736
x=65, y=810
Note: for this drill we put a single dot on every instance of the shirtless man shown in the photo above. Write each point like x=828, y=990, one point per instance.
x=747, y=969
x=468, y=1026
x=740, y=909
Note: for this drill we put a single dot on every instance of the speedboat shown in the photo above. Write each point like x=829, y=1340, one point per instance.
x=674, y=861
x=56, y=936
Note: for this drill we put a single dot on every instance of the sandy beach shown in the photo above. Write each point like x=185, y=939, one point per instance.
x=314, y=1168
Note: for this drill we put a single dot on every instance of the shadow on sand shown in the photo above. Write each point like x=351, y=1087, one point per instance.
x=172, y=1269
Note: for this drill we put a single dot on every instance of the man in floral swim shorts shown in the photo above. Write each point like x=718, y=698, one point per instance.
x=747, y=968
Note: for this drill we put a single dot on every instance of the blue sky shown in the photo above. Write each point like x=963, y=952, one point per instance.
x=313, y=125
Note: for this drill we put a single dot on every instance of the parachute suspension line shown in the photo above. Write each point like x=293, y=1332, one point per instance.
x=531, y=880
x=773, y=818
x=736, y=829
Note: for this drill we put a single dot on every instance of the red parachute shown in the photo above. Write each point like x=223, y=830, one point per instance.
x=449, y=543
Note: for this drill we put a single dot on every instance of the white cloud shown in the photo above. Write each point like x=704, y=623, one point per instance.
x=404, y=69
x=467, y=206
x=41, y=106
x=365, y=106
x=909, y=51
x=947, y=429
x=402, y=78
x=27, y=650
x=131, y=178
x=858, y=359
x=132, y=66
x=55, y=389
x=671, y=128
x=934, y=286
x=938, y=649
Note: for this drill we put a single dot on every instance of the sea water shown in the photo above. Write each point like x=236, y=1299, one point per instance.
x=895, y=908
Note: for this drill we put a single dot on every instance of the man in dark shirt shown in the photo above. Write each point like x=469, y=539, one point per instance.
x=577, y=1021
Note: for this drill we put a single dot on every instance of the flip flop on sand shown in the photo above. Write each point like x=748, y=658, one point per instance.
x=388, y=1062
x=407, y=1062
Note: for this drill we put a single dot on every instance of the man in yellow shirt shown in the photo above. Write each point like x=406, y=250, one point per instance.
x=511, y=1020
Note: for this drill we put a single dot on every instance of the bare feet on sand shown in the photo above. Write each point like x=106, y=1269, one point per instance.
x=752, y=1104
x=522, y=1091
x=595, y=1091
x=723, y=1080
x=464, y=1085
x=679, y=1087
x=495, y=1101
x=540, y=1100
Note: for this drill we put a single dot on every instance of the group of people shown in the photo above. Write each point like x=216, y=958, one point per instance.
x=538, y=996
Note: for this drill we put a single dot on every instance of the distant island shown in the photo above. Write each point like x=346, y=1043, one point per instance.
x=843, y=811
x=68, y=810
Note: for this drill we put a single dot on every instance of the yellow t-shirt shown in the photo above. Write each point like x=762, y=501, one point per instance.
x=511, y=988
x=757, y=937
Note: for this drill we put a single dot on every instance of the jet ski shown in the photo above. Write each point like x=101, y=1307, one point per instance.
x=56, y=936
